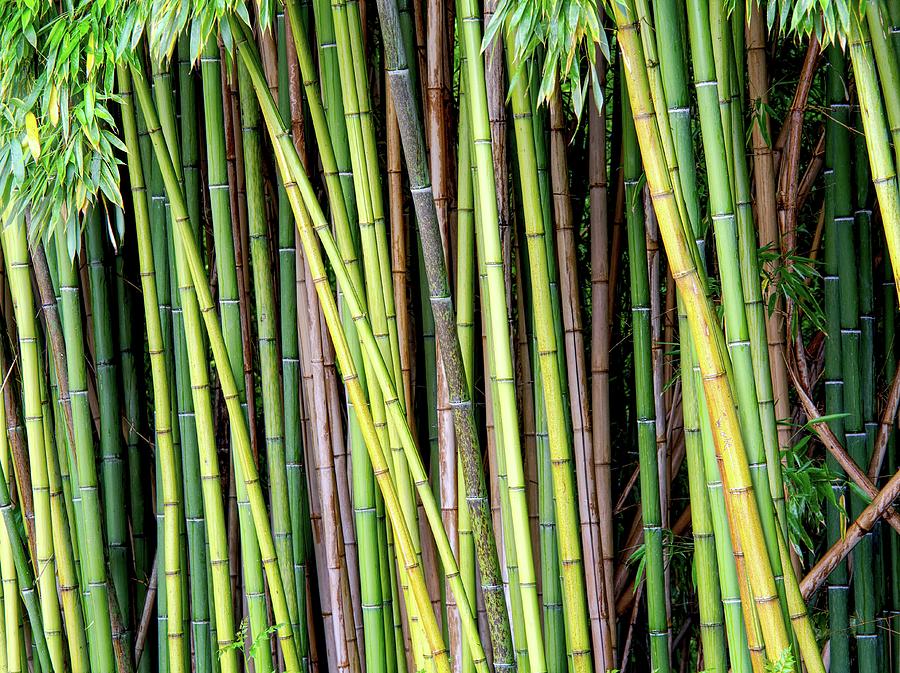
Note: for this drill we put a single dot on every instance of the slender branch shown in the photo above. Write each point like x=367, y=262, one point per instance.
x=888, y=417
x=834, y=447
x=880, y=504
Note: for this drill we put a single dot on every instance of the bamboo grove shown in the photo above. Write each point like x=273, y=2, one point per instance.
x=412, y=335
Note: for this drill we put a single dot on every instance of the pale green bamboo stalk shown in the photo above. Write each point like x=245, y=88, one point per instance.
x=11, y=610
x=15, y=249
x=229, y=309
x=69, y=588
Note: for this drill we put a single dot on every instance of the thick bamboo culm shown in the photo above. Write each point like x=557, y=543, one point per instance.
x=248, y=423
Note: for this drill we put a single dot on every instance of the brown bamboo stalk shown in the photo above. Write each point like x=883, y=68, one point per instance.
x=813, y=169
x=764, y=181
x=576, y=370
x=885, y=426
x=600, y=418
x=437, y=117
x=790, y=163
x=345, y=654
x=350, y=574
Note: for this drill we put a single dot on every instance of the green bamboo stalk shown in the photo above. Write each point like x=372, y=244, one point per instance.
x=128, y=382
x=892, y=560
x=264, y=292
x=15, y=250
x=866, y=593
x=673, y=68
x=210, y=68
x=111, y=458
x=645, y=408
x=837, y=205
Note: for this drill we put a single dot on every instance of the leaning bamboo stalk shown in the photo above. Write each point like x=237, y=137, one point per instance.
x=443, y=311
x=720, y=397
x=837, y=450
x=290, y=166
x=226, y=376
x=264, y=296
x=11, y=605
x=17, y=553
